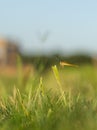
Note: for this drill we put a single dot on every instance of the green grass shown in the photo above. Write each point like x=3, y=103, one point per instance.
x=61, y=99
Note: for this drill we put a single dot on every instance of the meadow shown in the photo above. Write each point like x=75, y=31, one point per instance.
x=62, y=98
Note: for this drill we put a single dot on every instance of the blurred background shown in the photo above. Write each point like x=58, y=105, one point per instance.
x=46, y=32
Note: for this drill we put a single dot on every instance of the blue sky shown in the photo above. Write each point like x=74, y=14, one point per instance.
x=71, y=24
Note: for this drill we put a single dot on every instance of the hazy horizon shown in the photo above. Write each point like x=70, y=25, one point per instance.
x=69, y=26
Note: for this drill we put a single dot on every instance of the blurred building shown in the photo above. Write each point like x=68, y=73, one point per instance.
x=8, y=52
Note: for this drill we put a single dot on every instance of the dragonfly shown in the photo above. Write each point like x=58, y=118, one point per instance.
x=64, y=63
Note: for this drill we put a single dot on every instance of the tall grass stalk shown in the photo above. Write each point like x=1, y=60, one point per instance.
x=57, y=76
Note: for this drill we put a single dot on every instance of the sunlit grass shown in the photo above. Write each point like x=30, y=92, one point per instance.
x=61, y=99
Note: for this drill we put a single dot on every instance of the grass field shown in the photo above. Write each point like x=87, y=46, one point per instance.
x=59, y=99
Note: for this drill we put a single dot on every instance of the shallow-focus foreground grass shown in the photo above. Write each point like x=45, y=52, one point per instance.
x=62, y=99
